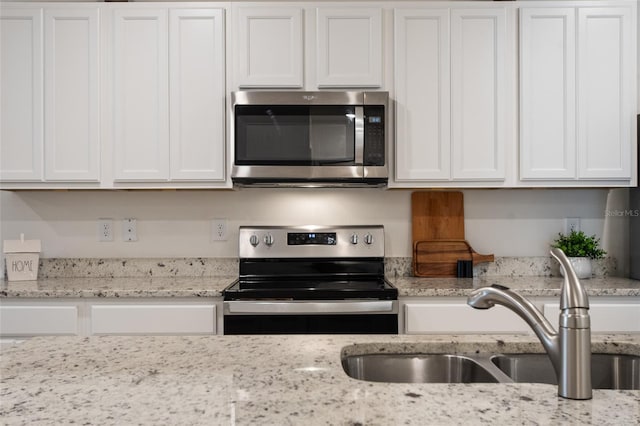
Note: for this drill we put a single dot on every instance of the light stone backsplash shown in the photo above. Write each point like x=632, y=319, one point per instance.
x=509, y=267
x=211, y=267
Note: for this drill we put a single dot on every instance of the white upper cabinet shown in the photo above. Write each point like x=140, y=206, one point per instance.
x=605, y=91
x=50, y=90
x=547, y=93
x=451, y=94
x=577, y=91
x=169, y=95
x=422, y=94
x=478, y=93
x=349, y=47
x=141, y=94
x=269, y=47
x=307, y=48
x=197, y=93
x=72, y=95
x=21, y=71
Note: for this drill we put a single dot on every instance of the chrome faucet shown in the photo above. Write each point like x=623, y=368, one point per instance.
x=570, y=348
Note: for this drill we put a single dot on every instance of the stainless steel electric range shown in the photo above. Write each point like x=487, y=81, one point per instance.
x=311, y=279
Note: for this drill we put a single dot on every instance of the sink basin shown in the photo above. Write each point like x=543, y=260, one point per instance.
x=608, y=371
x=412, y=368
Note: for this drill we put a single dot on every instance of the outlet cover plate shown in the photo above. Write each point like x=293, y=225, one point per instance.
x=219, y=230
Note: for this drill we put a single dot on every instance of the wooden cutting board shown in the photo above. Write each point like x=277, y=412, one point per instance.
x=439, y=258
x=437, y=215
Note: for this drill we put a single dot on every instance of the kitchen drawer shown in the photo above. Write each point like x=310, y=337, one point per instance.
x=153, y=319
x=605, y=317
x=27, y=320
x=446, y=318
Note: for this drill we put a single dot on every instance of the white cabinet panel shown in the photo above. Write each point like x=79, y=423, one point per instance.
x=197, y=90
x=269, y=47
x=577, y=101
x=349, y=47
x=478, y=93
x=451, y=87
x=38, y=320
x=547, y=93
x=605, y=317
x=153, y=319
x=72, y=95
x=21, y=94
x=141, y=94
x=422, y=94
x=605, y=113
x=426, y=318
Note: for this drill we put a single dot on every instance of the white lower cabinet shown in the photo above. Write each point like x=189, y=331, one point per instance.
x=36, y=319
x=99, y=316
x=458, y=317
x=452, y=315
x=606, y=317
x=153, y=319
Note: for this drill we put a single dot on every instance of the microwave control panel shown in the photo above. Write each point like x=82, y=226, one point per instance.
x=374, y=140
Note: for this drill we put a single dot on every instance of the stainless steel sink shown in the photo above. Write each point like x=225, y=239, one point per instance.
x=608, y=371
x=420, y=368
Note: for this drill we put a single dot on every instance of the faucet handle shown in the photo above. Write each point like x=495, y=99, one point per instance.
x=573, y=294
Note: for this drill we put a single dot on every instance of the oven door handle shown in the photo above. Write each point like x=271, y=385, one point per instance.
x=310, y=307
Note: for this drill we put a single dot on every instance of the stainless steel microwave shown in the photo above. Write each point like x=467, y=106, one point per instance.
x=310, y=138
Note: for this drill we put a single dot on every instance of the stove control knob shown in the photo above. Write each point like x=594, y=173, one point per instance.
x=368, y=239
x=268, y=240
x=254, y=240
x=354, y=239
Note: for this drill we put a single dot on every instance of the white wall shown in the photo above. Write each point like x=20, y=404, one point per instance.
x=177, y=223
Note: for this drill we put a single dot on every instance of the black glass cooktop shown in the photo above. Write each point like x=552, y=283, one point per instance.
x=310, y=289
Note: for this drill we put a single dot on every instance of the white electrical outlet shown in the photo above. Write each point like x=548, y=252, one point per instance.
x=571, y=224
x=219, y=230
x=105, y=230
x=129, y=230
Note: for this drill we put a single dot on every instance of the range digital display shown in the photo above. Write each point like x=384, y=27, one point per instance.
x=311, y=238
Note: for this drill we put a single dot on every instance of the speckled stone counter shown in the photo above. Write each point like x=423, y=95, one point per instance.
x=277, y=380
x=213, y=286
x=117, y=287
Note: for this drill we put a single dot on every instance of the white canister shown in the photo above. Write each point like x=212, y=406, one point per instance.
x=22, y=258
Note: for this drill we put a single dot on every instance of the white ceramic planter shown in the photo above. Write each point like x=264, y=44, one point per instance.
x=582, y=266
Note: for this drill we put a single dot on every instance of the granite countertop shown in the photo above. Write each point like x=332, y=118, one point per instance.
x=212, y=286
x=277, y=380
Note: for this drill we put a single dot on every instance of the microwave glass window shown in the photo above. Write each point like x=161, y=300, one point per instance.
x=304, y=135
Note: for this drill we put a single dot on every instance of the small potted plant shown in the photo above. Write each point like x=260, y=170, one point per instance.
x=580, y=249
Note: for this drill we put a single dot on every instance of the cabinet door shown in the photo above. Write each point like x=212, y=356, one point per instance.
x=38, y=320
x=421, y=318
x=547, y=93
x=197, y=91
x=269, y=46
x=605, y=317
x=422, y=94
x=141, y=92
x=153, y=319
x=349, y=47
x=72, y=95
x=605, y=82
x=478, y=85
x=21, y=94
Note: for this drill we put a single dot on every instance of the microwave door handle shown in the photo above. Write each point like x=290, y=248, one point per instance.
x=359, y=136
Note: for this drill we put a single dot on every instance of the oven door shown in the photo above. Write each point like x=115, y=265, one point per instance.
x=311, y=317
